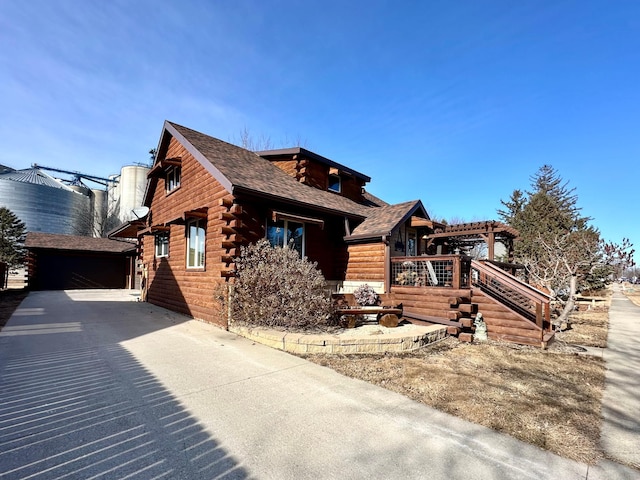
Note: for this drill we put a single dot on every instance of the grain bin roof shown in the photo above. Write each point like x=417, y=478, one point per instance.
x=34, y=176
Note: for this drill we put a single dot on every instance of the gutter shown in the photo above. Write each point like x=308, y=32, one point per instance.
x=238, y=190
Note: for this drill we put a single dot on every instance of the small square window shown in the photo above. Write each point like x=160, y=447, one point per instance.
x=172, y=179
x=162, y=244
x=334, y=183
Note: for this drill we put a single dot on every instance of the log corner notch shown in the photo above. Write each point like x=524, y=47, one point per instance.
x=230, y=232
x=302, y=169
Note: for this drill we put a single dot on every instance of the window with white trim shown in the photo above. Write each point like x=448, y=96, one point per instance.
x=195, y=243
x=335, y=184
x=286, y=232
x=162, y=244
x=172, y=179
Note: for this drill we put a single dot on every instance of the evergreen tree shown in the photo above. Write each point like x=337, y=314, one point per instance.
x=12, y=236
x=559, y=248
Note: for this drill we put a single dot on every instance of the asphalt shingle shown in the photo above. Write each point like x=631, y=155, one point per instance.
x=53, y=241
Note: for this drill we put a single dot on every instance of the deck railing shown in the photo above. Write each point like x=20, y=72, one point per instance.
x=521, y=297
x=446, y=271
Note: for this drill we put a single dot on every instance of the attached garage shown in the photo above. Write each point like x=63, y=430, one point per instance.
x=69, y=262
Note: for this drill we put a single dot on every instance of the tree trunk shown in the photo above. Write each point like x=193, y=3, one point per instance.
x=571, y=303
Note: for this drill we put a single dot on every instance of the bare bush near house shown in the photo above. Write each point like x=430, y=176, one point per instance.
x=276, y=288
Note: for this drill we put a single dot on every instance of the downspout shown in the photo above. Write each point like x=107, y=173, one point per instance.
x=387, y=264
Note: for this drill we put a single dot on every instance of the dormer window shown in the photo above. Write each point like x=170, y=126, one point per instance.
x=335, y=184
x=172, y=178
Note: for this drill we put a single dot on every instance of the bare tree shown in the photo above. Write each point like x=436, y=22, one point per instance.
x=569, y=257
x=620, y=256
x=250, y=142
x=256, y=143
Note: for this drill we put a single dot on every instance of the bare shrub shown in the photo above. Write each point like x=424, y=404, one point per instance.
x=276, y=288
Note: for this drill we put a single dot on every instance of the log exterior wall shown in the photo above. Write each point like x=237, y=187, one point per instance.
x=316, y=174
x=288, y=166
x=325, y=246
x=352, y=188
x=434, y=302
x=503, y=324
x=429, y=301
x=170, y=283
x=366, y=261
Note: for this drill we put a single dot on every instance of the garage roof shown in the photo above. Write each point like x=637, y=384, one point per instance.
x=53, y=241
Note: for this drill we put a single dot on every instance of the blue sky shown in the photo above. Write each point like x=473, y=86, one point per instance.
x=455, y=103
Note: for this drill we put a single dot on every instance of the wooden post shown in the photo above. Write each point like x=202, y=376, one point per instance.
x=539, y=321
x=387, y=266
x=455, y=281
x=491, y=244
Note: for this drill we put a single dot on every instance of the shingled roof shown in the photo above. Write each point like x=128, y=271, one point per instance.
x=51, y=241
x=383, y=220
x=241, y=171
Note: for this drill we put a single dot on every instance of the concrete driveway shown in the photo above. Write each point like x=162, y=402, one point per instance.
x=96, y=385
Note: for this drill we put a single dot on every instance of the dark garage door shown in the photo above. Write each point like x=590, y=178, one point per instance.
x=56, y=271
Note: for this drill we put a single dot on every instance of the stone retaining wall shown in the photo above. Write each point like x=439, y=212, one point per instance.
x=375, y=339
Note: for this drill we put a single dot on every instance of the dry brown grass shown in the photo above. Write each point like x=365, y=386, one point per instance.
x=589, y=325
x=550, y=398
x=633, y=293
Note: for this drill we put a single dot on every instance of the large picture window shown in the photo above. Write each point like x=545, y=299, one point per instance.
x=195, y=243
x=286, y=232
x=162, y=244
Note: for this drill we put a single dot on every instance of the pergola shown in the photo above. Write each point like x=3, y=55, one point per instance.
x=488, y=231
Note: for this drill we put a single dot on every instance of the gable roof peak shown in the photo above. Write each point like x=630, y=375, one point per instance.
x=241, y=171
x=385, y=219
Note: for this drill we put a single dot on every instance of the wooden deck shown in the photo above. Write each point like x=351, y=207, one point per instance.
x=452, y=289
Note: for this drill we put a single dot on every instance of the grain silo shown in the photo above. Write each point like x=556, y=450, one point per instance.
x=45, y=204
x=99, y=210
x=128, y=192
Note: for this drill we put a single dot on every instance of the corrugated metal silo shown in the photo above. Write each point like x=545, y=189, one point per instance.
x=44, y=204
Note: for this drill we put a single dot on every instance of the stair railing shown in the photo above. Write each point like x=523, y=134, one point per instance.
x=512, y=292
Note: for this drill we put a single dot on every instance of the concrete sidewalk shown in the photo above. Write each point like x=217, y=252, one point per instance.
x=621, y=401
x=95, y=385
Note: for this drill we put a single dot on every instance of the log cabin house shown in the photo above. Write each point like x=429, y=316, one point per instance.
x=206, y=198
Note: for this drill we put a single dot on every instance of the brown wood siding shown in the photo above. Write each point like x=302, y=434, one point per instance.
x=317, y=175
x=504, y=324
x=253, y=222
x=170, y=283
x=287, y=166
x=325, y=246
x=352, y=189
x=366, y=262
x=501, y=322
x=430, y=301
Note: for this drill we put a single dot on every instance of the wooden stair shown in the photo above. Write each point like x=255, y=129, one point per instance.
x=512, y=310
